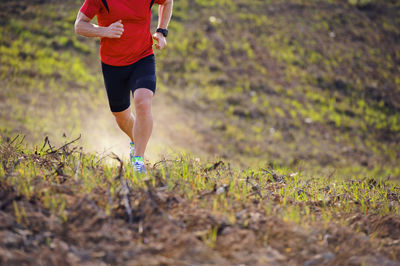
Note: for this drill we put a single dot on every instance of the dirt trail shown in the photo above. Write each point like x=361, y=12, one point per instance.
x=169, y=228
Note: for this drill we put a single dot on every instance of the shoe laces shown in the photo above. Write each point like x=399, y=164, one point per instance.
x=139, y=167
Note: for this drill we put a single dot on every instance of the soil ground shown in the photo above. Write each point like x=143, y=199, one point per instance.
x=164, y=226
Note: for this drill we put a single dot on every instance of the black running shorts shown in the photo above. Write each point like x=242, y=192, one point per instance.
x=120, y=81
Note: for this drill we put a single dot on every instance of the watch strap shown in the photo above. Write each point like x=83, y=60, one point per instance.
x=164, y=32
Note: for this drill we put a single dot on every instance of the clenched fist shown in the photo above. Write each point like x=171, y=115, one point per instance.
x=161, y=41
x=115, y=30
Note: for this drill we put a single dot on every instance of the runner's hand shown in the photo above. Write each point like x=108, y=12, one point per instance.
x=161, y=41
x=115, y=30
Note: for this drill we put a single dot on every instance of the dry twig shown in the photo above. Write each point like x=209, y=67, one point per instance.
x=63, y=146
x=124, y=191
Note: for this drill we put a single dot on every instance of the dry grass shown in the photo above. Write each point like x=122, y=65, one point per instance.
x=62, y=206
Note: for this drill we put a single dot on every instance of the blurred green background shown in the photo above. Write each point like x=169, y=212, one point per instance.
x=307, y=85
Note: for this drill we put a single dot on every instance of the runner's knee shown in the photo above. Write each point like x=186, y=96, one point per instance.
x=142, y=105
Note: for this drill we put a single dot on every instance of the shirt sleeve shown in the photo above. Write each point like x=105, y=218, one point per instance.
x=160, y=2
x=90, y=8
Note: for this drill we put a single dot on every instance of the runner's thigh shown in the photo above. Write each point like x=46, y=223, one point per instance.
x=116, y=81
x=144, y=74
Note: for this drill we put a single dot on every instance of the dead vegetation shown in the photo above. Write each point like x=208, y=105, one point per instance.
x=58, y=219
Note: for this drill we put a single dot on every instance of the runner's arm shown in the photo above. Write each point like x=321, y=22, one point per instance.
x=164, y=16
x=85, y=28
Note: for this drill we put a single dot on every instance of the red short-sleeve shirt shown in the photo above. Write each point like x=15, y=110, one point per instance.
x=136, y=41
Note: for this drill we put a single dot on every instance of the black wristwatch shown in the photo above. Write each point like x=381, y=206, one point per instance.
x=164, y=32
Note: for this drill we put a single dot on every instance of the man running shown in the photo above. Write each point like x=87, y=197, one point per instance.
x=127, y=61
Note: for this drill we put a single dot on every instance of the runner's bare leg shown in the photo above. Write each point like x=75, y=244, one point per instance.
x=144, y=119
x=125, y=121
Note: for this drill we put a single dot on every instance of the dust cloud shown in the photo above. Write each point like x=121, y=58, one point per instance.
x=173, y=132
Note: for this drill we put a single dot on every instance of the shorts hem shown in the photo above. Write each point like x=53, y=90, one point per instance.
x=119, y=109
x=152, y=90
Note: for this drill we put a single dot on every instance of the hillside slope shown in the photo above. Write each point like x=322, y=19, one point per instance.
x=305, y=84
x=292, y=81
